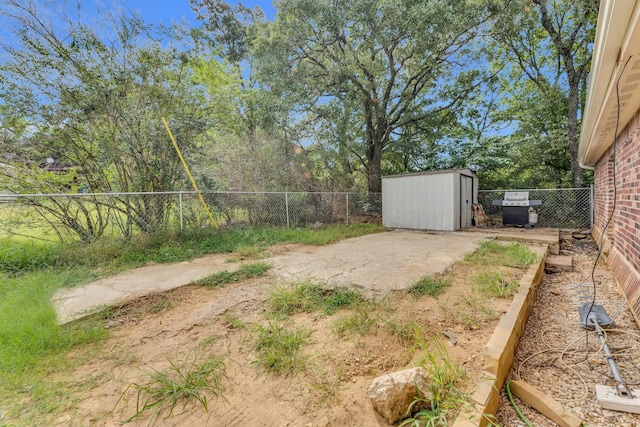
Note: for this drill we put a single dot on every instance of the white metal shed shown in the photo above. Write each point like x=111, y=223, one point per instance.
x=431, y=200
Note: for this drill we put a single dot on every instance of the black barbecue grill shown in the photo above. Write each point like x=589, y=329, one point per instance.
x=515, y=207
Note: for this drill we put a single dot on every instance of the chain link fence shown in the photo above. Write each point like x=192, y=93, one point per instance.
x=561, y=207
x=88, y=217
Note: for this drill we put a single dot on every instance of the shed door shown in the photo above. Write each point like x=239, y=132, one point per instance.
x=466, y=201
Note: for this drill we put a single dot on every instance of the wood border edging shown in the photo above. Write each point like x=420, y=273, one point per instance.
x=501, y=347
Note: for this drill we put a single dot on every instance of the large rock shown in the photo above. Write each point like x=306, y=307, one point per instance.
x=391, y=394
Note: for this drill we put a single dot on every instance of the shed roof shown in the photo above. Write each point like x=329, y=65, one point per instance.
x=431, y=172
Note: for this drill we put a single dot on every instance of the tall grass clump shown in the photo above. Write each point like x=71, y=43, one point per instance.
x=432, y=286
x=246, y=271
x=444, y=400
x=185, y=381
x=511, y=255
x=306, y=297
x=494, y=284
x=279, y=349
x=19, y=255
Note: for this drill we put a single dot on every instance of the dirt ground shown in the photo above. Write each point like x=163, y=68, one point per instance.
x=552, y=352
x=194, y=322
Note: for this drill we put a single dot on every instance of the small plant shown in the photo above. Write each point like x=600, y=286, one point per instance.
x=327, y=386
x=183, y=382
x=248, y=252
x=446, y=399
x=404, y=330
x=338, y=298
x=495, y=284
x=160, y=303
x=358, y=322
x=428, y=286
x=234, y=321
x=307, y=297
x=278, y=349
x=246, y=271
x=511, y=255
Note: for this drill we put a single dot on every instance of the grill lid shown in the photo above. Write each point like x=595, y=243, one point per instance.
x=516, y=198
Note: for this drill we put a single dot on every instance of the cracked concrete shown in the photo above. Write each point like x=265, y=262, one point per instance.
x=375, y=264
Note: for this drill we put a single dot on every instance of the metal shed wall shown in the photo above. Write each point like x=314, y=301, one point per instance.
x=426, y=200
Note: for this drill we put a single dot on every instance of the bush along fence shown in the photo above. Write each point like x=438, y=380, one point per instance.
x=561, y=207
x=90, y=216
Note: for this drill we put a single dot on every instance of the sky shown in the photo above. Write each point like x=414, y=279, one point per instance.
x=167, y=11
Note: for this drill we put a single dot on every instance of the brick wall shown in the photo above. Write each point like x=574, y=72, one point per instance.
x=622, y=239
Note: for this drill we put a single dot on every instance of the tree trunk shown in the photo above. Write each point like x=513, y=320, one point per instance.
x=374, y=158
x=577, y=174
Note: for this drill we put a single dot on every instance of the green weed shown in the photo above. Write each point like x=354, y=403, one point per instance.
x=234, y=321
x=243, y=252
x=445, y=399
x=279, y=350
x=160, y=302
x=328, y=387
x=18, y=256
x=402, y=329
x=306, y=297
x=499, y=253
x=359, y=322
x=246, y=271
x=185, y=381
x=432, y=286
x=494, y=284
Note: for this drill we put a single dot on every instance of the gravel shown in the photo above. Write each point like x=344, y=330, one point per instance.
x=552, y=354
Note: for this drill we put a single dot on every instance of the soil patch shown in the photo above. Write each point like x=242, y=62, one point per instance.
x=339, y=364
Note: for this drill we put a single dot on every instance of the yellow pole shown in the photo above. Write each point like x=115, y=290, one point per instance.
x=186, y=168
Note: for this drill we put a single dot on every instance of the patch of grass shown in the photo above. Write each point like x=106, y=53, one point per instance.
x=358, y=322
x=445, y=399
x=402, y=329
x=326, y=385
x=160, y=302
x=18, y=256
x=432, y=286
x=306, y=297
x=469, y=311
x=29, y=330
x=279, y=349
x=185, y=381
x=494, y=284
x=234, y=321
x=246, y=271
x=243, y=252
x=508, y=254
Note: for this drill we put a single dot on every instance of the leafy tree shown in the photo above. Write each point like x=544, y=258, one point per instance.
x=548, y=45
x=94, y=94
x=389, y=66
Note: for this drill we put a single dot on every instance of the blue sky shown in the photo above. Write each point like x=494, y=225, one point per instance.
x=167, y=11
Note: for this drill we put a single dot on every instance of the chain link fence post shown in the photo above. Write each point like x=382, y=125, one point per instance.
x=286, y=206
x=181, y=217
x=347, y=208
